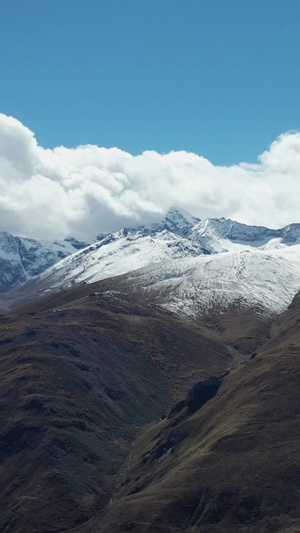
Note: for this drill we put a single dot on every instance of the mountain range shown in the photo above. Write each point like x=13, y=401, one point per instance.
x=150, y=380
x=187, y=265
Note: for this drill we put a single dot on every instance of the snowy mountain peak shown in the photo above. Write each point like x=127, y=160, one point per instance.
x=181, y=216
x=177, y=221
x=213, y=226
x=221, y=235
x=235, y=231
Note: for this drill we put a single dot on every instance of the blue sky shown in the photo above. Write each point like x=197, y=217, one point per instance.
x=219, y=78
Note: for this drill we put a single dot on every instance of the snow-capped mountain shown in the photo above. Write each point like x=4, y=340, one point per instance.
x=223, y=235
x=187, y=265
x=120, y=253
x=22, y=258
x=191, y=266
x=264, y=282
x=178, y=236
x=176, y=221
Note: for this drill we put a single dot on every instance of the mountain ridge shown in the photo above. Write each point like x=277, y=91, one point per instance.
x=214, y=249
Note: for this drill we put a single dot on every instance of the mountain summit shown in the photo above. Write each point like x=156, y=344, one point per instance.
x=177, y=221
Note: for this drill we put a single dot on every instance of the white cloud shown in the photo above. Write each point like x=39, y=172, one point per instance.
x=88, y=190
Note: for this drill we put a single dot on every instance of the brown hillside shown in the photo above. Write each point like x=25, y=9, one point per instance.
x=233, y=465
x=81, y=372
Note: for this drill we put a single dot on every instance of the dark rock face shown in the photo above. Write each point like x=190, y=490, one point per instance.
x=78, y=245
x=11, y=273
x=175, y=437
x=198, y=396
x=201, y=393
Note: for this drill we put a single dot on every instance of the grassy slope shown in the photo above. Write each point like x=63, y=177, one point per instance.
x=234, y=464
x=81, y=371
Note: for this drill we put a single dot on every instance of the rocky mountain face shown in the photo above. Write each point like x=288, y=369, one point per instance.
x=22, y=258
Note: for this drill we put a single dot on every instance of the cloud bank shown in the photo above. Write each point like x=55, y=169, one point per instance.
x=89, y=190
